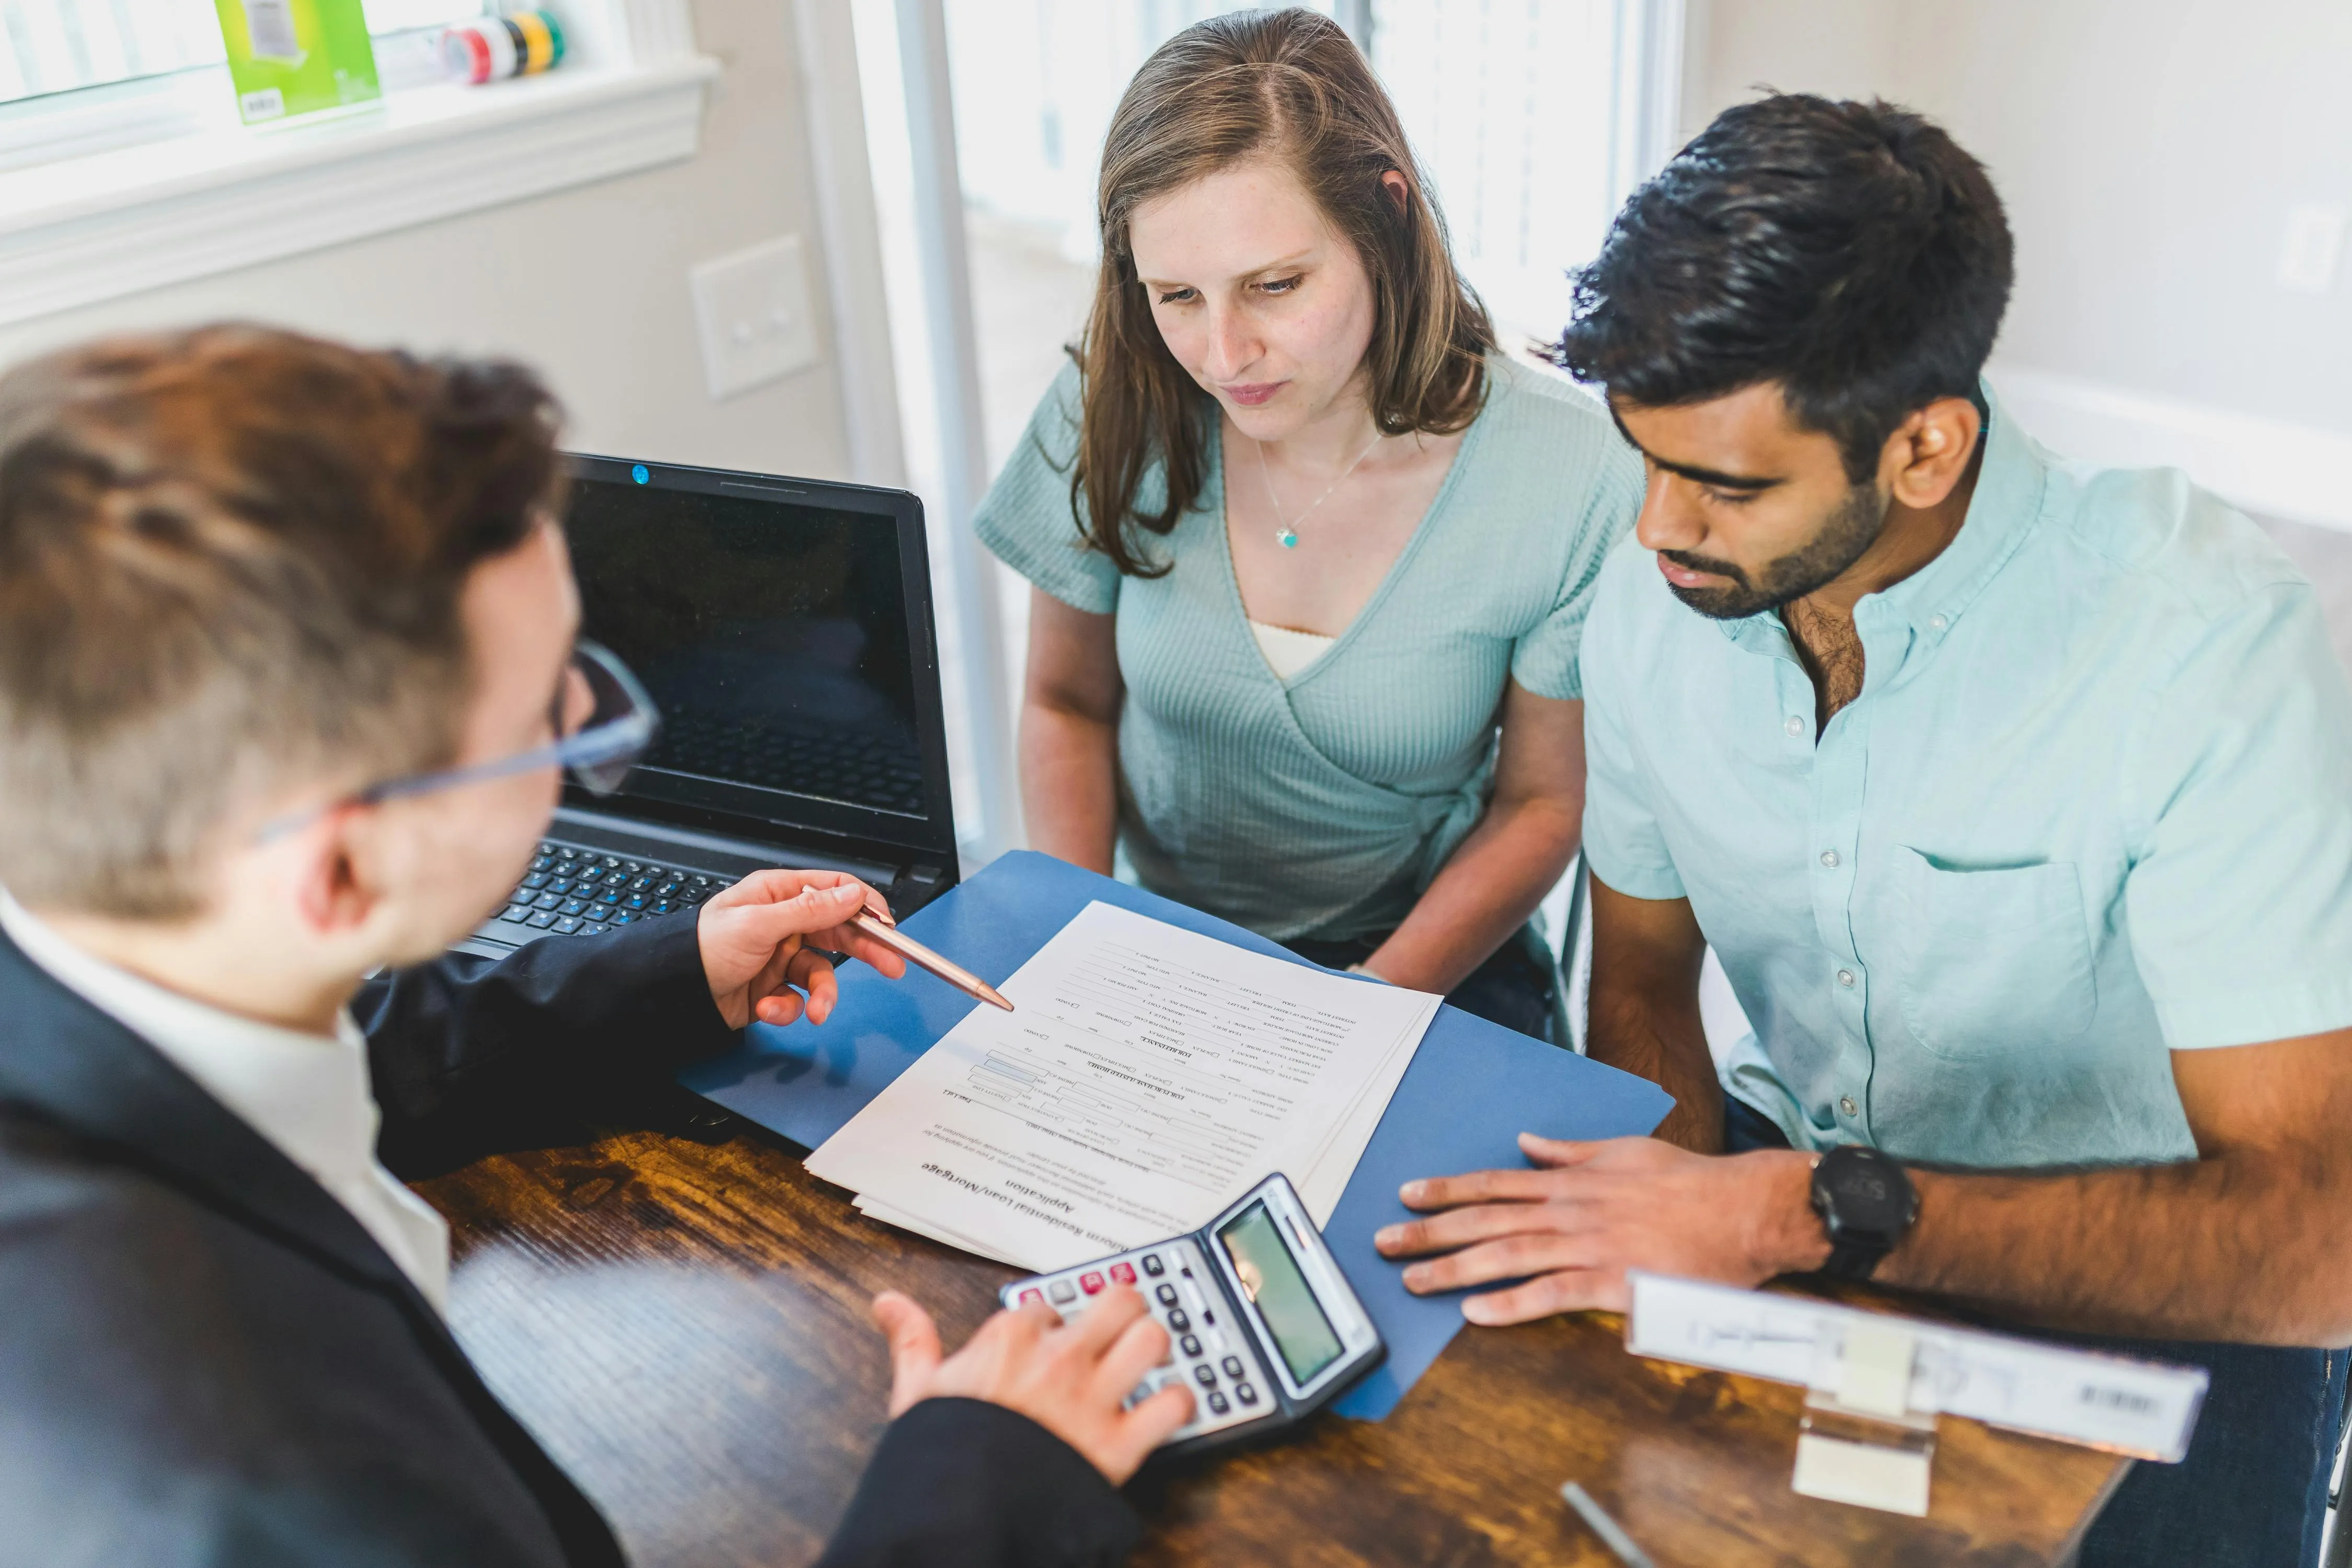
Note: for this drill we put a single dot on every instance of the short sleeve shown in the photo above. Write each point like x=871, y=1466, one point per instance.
x=2239, y=898
x=1622, y=841
x=1029, y=518
x=1545, y=660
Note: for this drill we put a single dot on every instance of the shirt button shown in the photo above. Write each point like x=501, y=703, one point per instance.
x=1846, y=1104
x=1846, y=978
x=1795, y=726
x=1937, y=623
x=1829, y=858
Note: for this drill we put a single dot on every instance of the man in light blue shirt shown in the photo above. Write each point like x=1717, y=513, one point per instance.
x=2016, y=797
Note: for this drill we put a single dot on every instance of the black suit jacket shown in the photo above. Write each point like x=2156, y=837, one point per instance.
x=205, y=1360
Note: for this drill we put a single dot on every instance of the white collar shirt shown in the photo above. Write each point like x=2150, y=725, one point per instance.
x=307, y=1094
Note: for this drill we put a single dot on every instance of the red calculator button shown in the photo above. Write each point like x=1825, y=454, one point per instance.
x=1123, y=1273
x=1029, y=1296
x=1090, y=1283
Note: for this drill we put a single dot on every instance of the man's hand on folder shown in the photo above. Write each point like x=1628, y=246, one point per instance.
x=760, y=939
x=1569, y=1228
x=1068, y=1377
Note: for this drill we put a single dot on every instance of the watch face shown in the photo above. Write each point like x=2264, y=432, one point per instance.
x=1867, y=1194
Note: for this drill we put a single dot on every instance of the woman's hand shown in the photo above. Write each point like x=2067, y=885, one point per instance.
x=1068, y=1377
x=759, y=940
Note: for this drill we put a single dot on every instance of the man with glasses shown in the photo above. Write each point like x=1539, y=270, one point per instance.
x=288, y=675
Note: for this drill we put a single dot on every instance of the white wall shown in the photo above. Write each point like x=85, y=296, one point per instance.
x=2148, y=152
x=588, y=284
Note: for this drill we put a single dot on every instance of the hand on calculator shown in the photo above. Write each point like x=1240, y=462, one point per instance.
x=1070, y=1378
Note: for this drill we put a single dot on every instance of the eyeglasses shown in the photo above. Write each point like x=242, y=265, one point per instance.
x=603, y=722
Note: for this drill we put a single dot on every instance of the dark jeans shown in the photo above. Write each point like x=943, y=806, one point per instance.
x=2252, y=1492
x=1511, y=989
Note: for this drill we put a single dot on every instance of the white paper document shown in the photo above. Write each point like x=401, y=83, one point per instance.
x=1149, y=1077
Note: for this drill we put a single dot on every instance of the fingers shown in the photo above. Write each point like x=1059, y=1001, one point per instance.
x=1101, y=1324
x=1459, y=1228
x=1145, y=1427
x=812, y=973
x=1567, y=1291
x=779, y=1008
x=1511, y=1257
x=1140, y=1347
x=914, y=1348
x=1554, y=1153
x=1477, y=1187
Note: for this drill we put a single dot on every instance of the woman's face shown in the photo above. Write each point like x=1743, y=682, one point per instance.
x=1257, y=295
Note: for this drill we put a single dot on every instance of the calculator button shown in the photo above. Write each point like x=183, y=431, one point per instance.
x=544, y=918
x=1178, y=1321
x=1031, y=1295
x=1217, y=1404
x=1245, y=1394
x=1061, y=1290
x=1166, y=1295
x=1090, y=1283
x=1233, y=1365
x=1152, y=1266
x=1123, y=1273
x=595, y=929
x=1205, y=1375
x=1188, y=1345
x=566, y=926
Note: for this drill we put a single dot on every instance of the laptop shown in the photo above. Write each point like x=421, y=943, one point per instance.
x=784, y=629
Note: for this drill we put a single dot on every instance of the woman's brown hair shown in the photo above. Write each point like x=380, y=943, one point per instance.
x=1289, y=85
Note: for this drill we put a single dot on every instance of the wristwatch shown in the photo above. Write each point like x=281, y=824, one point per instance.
x=1866, y=1202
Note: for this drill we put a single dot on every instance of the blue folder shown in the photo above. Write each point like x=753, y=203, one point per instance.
x=1472, y=1088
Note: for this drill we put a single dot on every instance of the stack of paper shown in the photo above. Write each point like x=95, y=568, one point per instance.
x=1149, y=1077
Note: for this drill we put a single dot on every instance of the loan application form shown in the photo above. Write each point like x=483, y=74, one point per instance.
x=1149, y=1077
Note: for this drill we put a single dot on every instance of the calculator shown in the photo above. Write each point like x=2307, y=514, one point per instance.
x=1261, y=1322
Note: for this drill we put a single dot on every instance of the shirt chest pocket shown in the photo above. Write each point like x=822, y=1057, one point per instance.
x=1991, y=961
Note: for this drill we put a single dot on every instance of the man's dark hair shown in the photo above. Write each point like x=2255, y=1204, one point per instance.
x=1850, y=252
x=232, y=559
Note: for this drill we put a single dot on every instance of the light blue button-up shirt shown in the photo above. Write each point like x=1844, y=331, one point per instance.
x=2094, y=802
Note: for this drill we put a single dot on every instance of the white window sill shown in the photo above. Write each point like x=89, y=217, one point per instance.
x=114, y=223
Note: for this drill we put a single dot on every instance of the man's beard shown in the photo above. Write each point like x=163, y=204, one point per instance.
x=1849, y=531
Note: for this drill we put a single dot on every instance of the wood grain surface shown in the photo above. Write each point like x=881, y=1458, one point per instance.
x=681, y=1316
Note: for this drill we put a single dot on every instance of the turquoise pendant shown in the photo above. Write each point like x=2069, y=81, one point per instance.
x=1288, y=539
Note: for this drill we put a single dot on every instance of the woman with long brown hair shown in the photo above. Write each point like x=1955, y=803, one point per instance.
x=1310, y=557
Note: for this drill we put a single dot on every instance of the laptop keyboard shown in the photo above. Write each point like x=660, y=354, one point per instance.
x=574, y=891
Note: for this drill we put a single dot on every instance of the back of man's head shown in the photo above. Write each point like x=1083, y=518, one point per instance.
x=1851, y=253
x=231, y=564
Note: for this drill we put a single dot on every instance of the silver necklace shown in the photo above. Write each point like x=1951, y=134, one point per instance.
x=1286, y=534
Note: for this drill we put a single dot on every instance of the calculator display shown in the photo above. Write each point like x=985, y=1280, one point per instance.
x=1270, y=1277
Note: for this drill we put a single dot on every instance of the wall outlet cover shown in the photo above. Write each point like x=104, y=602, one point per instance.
x=755, y=316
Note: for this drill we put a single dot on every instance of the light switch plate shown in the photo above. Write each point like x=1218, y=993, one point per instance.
x=753, y=311
x=2313, y=246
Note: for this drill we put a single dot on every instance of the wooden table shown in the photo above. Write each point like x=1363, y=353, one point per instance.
x=681, y=1316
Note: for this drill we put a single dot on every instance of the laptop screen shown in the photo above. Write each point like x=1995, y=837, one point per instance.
x=770, y=621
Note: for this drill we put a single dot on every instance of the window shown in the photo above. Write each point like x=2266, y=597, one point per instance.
x=123, y=166
x=50, y=47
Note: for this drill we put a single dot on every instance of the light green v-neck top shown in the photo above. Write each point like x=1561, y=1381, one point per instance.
x=1322, y=806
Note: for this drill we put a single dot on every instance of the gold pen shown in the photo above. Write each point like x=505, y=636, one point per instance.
x=876, y=924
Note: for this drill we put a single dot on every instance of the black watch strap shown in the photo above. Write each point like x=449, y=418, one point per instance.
x=1852, y=1258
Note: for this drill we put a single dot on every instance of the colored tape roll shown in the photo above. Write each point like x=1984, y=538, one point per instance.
x=522, y=43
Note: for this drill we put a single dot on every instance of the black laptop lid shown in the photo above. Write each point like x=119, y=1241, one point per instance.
x=783, y=627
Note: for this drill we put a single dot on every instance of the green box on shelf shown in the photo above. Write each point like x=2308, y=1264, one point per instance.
x=296, y=56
